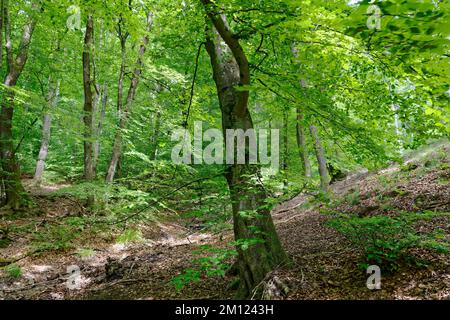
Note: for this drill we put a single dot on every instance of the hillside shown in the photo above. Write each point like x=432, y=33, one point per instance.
x=141, y=261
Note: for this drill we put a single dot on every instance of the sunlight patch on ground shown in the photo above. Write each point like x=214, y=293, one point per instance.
x=41, y=268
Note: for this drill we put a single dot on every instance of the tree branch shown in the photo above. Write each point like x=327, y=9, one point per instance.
x=219, y=22
x=193, y=84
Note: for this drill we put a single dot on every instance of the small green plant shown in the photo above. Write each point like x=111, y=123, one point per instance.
x=322, y=197
x=354, y=198
x=244, y=244
x=85, y=252
x=13, y=270
x=58, y=236
x=411, y=166
x=384, y=240
x=215, y=263
x=5, y=242
x=129, y=235
x=189, y=275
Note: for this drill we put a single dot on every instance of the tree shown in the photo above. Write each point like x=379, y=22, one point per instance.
x=52, y=100
x=89, y=165
x=10, y=168
x=259, y=248
x=117, y=147
x=285, y=147
x=101, y=120
x=321, y=160
x=301, y=143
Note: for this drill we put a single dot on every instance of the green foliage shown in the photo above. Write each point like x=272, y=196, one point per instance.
x=385, y=240
x=129, y=235
x=353, y=198
x=85, y=252
x=244, y=244
x=189, y=275
x=114, y=200
x=214, y=264
x=58, y=236
x=5, y=242
x=322, y=197
x=13, y=270
x=250, y=214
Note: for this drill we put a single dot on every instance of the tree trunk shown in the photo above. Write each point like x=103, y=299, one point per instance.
x=117, y=147
x=89, y=167
x=104, y=95
x=14, y=191
x=321, y=160
x=97, y=95
x=301, y=137
x=258, y=246
x=52, y=100
x=286, y=150
x=301, y=142
x=155, y=136
x=2, y=6
x=123, y=36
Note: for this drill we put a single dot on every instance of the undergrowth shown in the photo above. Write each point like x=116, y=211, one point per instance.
x=385, y=240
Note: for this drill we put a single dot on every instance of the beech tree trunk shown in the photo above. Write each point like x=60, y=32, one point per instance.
x=258, y=246
x=14, y=191
x=301, y=143
x=123, y=36
x=104, y=97
x=301, y=137
x=155, y=136
x=89, y=166
x=117, y=147
x=321, y=160
x=52, y=100
x=2, y=6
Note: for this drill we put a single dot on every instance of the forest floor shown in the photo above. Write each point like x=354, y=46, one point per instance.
x=325, y=263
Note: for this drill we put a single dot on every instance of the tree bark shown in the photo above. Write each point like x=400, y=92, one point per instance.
x=155, y=136
x=301, y=143
x=14, y=191
x=2, y=6
x=300, y=132
x=123, y=40
x=285, y=149
x=254, y=229
x=123, y=36
x=52, y=100
x=98, y=133
x=117, y=147
x=321, y=160
x=89, y=167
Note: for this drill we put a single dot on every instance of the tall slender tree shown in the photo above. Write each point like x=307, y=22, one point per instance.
x=301, y=143
x=100, y=122
x=89, y=166
x=52, y=101
x=117, y=147
x=321, y=159
x=14, y=190
x=285, y=148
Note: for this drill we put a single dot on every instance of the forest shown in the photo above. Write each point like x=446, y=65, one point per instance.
x=225, y=149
